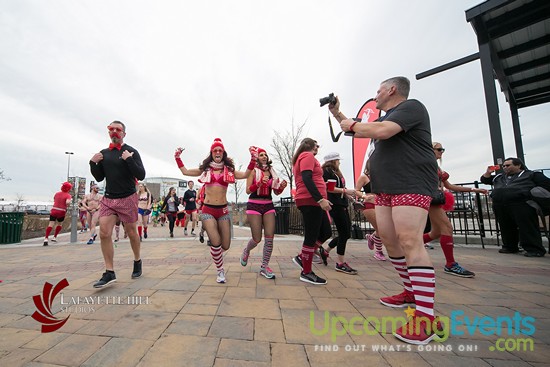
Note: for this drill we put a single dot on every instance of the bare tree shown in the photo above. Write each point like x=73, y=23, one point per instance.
x=285, y=144
x=20, y=200
x=2, y=177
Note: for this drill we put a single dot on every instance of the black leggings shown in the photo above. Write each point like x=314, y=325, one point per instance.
x=171, y=219
x=341, y=218
x=316, y=225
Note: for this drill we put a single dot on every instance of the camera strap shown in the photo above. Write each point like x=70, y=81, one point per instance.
x=334, y=137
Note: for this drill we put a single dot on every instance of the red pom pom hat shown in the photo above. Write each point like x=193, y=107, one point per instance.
x=217, y=144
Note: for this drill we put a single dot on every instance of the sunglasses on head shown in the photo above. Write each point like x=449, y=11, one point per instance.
x=116, y=129
x=440, y=149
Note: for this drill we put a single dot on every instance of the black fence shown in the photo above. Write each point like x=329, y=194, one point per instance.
x=472, y=217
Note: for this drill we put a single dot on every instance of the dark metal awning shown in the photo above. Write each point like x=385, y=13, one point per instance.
x=513, y=37
x=518, y=35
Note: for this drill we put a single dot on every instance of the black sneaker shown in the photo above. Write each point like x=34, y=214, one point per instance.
x=145, y=234
x=171, y=234
x=534, y=254
x=345, y=268
x=312, y=278
x=107, y=278
x=458, y=270
x=298, y=261
x=137, y=269
x=46, y=242
x=201, y=237
x=324, y=255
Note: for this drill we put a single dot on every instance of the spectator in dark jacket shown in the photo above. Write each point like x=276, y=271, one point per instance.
x=517, y=220
x=170, y=204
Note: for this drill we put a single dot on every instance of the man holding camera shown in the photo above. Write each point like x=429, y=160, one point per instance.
x=404, y=179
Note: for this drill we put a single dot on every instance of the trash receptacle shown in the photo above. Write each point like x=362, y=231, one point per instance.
x=282, y=220
x=11, y=226
x=357, y=233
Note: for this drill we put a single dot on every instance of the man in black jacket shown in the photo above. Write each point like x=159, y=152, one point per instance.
x=120, y=165
x=517, y=220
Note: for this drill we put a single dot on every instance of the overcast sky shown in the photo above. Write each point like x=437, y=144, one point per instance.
x=181, y=73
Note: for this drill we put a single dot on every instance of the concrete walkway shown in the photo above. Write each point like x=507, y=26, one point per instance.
x=177, y=315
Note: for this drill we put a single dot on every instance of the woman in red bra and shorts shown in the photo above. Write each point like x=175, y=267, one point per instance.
x=260, y=210
x=216, y=172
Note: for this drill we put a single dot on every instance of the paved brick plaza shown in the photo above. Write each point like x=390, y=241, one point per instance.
x=186, y=319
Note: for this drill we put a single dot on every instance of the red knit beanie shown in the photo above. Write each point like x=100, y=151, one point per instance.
x=217, y=144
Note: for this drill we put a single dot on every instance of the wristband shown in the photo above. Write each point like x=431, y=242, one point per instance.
x=251, y=165
x=179, y=162
x=319, y=201
x=351, y=126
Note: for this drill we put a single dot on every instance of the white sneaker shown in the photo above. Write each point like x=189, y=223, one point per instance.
x=317, y=259
x=221, y=277
x=54, y=240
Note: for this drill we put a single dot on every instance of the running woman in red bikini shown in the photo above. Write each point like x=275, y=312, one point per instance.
x=216, y=172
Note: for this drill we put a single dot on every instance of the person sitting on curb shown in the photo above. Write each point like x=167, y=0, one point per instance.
x=517, y=220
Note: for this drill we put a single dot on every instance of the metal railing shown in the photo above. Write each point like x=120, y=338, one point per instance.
x=472, y=216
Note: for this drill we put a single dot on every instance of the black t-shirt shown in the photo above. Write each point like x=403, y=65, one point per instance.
x=190, y=199
x=405, y=163
x=120, y=174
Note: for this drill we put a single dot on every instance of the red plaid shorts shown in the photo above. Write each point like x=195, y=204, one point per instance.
x=125, y=208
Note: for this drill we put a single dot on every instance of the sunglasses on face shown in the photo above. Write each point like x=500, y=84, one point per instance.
x=217, y=151
x=440, y=149
x=115, y=129
x=506, y=165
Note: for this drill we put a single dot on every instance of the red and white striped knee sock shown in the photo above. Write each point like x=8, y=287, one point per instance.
x=251, y=245
x=423, y=284
x=400, y=264
x=268, y=250
x=307, y=258
x=377, y=242
x=217, y=256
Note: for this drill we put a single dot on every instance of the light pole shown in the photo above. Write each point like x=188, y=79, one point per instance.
x=69, y=163
x=74, y=213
